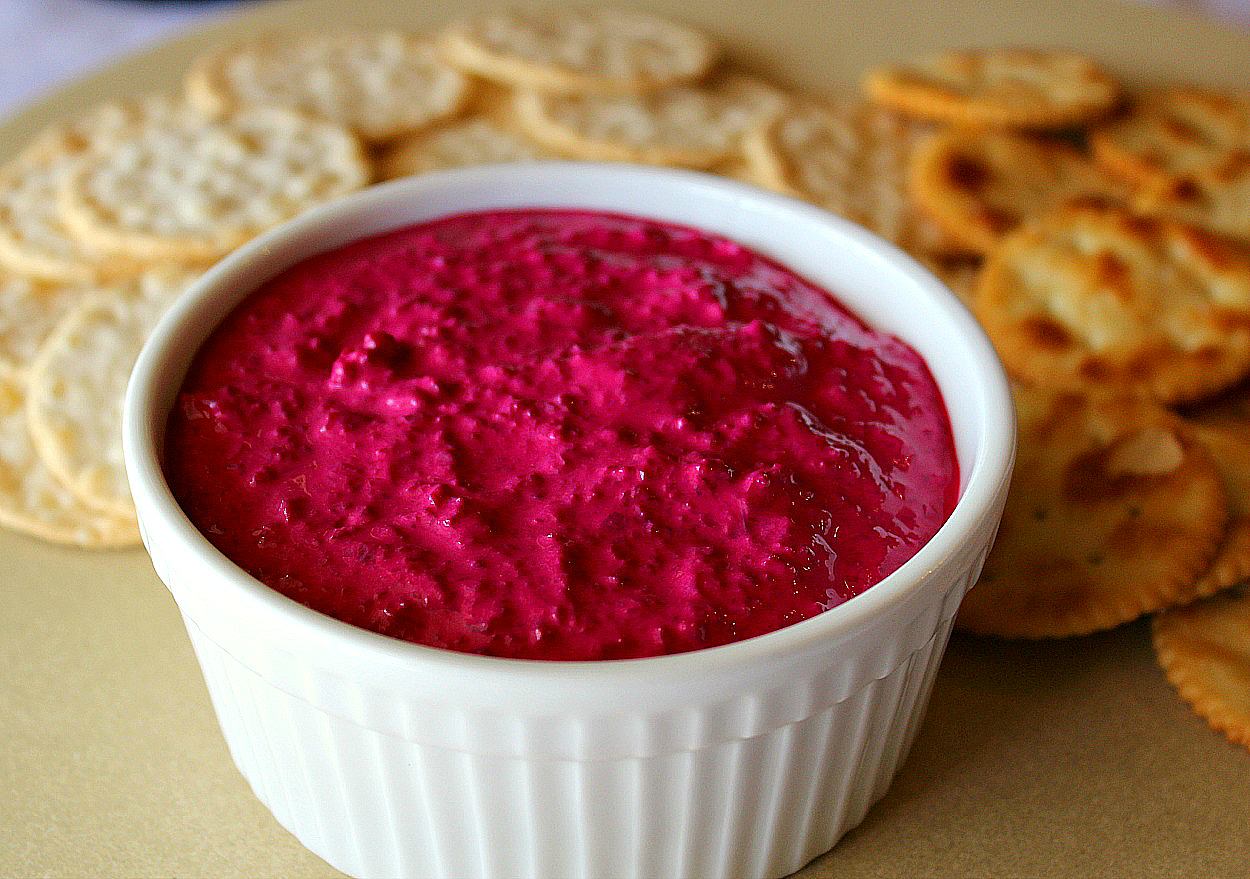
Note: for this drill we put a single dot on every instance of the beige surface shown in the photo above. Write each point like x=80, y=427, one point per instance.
x=1052, y=759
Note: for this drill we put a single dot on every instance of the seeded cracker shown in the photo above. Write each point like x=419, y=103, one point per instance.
x=1009, y=88
x=1204, y=649
x=1114, y=511
x=192, y=189
x=603, y=51
x=1091, y=296
x=850, y=158
x=32, y=501
x=379, y=84
x=78, y=382
x=980, y=185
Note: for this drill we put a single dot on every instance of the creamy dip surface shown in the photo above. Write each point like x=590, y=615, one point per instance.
x=559, y=435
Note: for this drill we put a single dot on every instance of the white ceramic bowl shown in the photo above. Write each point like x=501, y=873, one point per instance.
x=748, y=760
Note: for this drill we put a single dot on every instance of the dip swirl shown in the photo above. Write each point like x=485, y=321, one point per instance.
x=559, y=435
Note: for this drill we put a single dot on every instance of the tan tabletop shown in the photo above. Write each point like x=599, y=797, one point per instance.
x=1072, y=758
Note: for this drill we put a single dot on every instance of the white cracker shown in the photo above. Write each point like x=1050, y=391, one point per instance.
x=377, y=83
x=106, y=123
x=578, y=50
x=33, y=239
x=28, y=313
x=459, y=144
x=850, y=158
x=31, y=499
x=78, y=382
x=680, y=125
x=194, y=190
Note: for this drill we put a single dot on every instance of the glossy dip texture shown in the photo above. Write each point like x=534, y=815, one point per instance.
x=559, y=435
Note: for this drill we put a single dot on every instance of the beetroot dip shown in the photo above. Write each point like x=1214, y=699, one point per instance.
x=559, y=435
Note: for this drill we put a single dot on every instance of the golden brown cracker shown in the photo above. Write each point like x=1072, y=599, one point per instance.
x=980, y=185
x=1204, y=649
x=1215, y=198
x=1170, y=132
x=1230, y=450
x=1093, y=296
x=1114, y=509
x=1009, y=88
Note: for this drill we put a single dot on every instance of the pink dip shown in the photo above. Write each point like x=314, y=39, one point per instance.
x=559, y=435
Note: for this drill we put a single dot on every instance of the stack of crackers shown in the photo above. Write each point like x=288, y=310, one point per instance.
x=1101, y=238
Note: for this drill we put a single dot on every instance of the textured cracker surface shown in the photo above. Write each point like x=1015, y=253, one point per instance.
x=78, y=382
x=1024, y=88
x=32, y=501
x=1113, y=512
x=587, y=49
x=379, y=84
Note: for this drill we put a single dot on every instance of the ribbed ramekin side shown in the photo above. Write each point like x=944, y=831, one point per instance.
x=375, y=805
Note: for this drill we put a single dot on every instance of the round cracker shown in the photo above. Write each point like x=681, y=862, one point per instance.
x=109, y=122
x=78, y=382
x=691, y=126
x=197, y=188
x=1171, y=132
x=1229, y=448
x=459, y=144
x=379, y=84
x=31, y=500
x=958, y=273
x=28, y=313
x=979, y=185
x=850, y=158
x=1215, y=198
x=33, y=239
x=1204, y=649
x=603, y=51
x=1092, y=296
x=1114, y=510
x=1009, y=88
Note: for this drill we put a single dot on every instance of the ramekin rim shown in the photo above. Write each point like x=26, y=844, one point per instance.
x=987, y=478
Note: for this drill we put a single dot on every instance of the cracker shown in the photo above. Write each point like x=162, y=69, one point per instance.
x=28, y=313
x=958, y=273
x=459, y=144
x=603, y=51
x=78, y=382
x=1114, y=509
x=31, y=500
x=980, y=185
x=379, y=84
x=33, y=239
x=1009, y=88
x=692, y=126
x=1172, y=132
x=1229, y=448
x=1215, y=198
x=850, y=158
x=196, y=189
x=109, y=122
x=1093, y=296
x=1204, y=649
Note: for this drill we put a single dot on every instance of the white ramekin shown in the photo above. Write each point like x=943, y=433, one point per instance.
x=391, y=759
